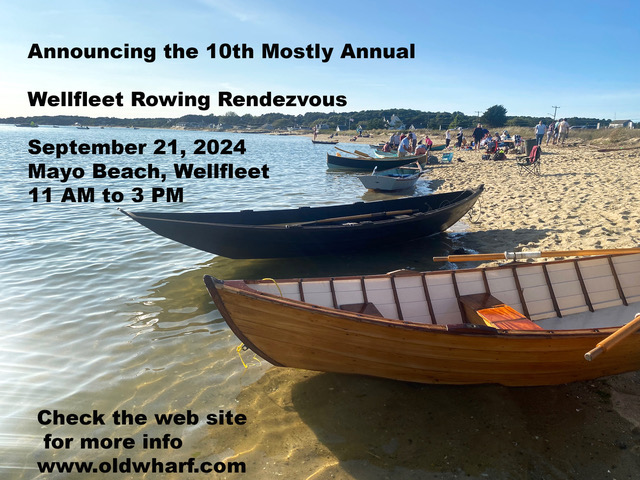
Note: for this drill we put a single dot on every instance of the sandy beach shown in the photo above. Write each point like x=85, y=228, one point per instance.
x=584, y=199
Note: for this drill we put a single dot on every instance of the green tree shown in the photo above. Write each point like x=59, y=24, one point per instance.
x=375, y=123
x=281, y=123
x=495, y=116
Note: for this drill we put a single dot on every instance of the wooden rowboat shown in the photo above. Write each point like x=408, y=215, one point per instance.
x=369, y=163
x=520, y=324
x=307, y=231
x=393, y=179
x=325, y=142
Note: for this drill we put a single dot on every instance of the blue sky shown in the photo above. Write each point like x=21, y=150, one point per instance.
x=527, y=56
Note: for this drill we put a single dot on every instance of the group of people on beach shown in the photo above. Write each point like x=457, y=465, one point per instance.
x=461, y=141
x=481, y=138
x=557, y=132
x=407, y=144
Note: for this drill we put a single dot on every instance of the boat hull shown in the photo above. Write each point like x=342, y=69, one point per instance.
x=388, y=184
x=393, y=179
x=302, y=231
x=363, y=163
x=297, y=332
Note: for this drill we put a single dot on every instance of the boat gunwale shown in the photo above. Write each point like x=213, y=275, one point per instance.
x=415, y=273
x=363, y=163
x=414, y=167
x=241, y=287
x=410, y=158
x=469, y=194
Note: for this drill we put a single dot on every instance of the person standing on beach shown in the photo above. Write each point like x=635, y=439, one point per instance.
x=413, y=138
x=459, y=138
x=477, y=136
x=404, y=148
x=447, y=138
x=550, y=131
x=540, y=129
x=563, y=131
x=428, y=143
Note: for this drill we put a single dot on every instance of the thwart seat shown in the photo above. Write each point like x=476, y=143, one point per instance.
x=484, y=309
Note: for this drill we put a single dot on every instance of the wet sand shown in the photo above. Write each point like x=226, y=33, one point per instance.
x=308, y=425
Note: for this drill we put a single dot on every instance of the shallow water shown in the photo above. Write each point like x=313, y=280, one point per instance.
x=98, y=313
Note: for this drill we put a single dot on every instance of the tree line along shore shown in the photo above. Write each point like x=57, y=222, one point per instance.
x=622, y=137
x=495, y=116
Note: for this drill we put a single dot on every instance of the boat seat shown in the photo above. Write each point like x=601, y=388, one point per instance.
x=367, y=308
x=485, y=309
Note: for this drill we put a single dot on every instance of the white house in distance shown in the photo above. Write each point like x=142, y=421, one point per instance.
x=621, y=124
x=394, y=122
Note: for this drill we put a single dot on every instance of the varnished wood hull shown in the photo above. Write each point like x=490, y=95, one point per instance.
x=404, y=344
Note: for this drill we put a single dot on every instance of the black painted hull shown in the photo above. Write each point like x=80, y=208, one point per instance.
x=337, y=161
x=277, y=233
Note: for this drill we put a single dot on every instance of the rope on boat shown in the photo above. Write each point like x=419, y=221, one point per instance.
x=243, y=347
x=477, y=207
x=276, y=285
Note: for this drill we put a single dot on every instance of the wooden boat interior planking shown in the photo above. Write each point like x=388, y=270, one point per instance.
x=545, y=293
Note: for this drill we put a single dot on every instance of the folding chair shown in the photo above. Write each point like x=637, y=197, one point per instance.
x=531, y=163
x=447, y=157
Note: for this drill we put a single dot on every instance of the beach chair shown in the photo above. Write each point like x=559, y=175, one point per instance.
x=530, y=164
x=447, y=157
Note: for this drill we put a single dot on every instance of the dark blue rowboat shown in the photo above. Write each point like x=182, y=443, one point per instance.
x=369, y=163
x=309, y=231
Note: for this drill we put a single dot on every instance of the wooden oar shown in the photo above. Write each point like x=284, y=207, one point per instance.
x=615, y=338
x=362, y=216
x=521, y=255
x=360, y=154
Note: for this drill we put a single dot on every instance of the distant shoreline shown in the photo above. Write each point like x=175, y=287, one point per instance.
x=602, y=138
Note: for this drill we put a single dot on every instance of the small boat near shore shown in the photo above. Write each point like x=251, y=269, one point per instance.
x=392, y=179
x=369, y=163
x=519, y=324
x=378, y=152
x=309, y=231
x=325, y=142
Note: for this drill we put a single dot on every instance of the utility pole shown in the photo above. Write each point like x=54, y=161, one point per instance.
x=555, y=109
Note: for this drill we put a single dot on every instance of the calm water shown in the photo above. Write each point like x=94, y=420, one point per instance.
x=99, y=313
